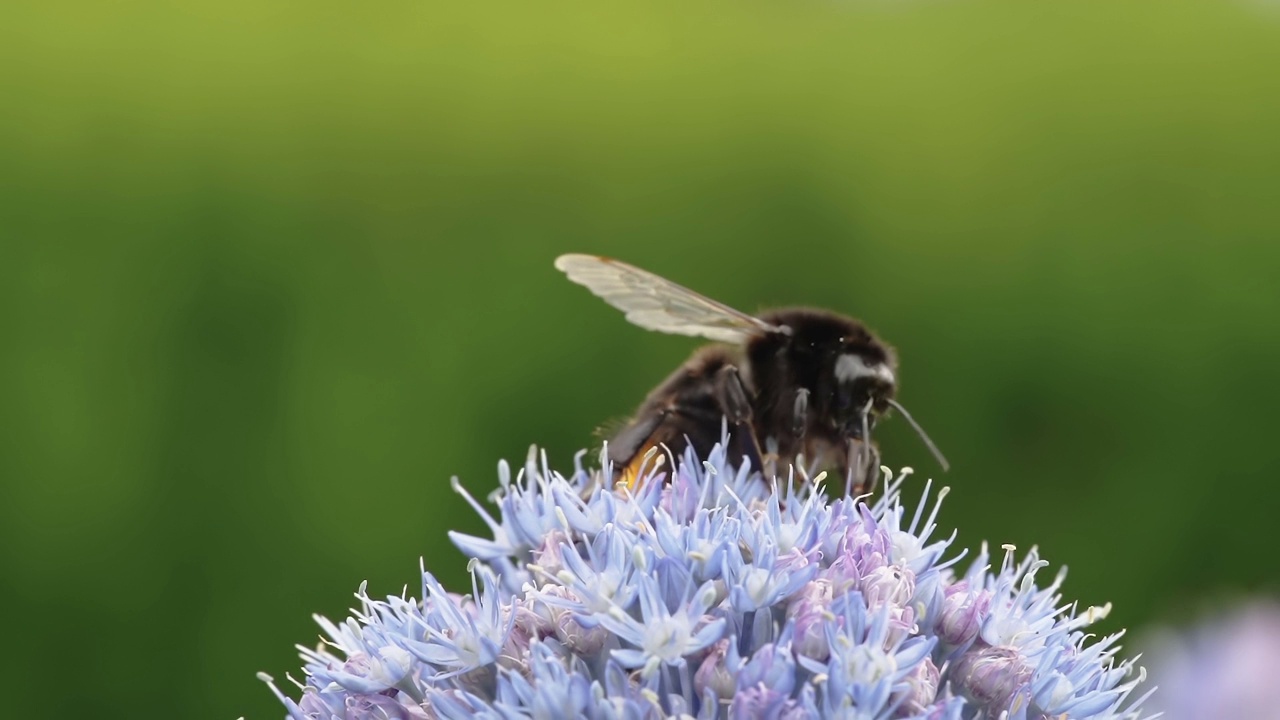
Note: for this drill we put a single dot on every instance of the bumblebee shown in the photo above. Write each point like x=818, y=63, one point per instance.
x=795, y=386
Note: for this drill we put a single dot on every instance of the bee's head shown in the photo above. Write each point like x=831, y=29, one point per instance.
x=850, y=374
x=864, y=384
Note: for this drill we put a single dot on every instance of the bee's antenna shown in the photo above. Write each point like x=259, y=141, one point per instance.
x=937, y=454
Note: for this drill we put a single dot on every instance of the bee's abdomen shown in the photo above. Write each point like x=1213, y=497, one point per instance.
x=683, y=410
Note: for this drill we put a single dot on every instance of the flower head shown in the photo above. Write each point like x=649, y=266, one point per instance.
x=708, y=592
x=1228, y=665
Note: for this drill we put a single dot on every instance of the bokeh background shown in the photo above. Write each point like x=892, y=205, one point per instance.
x=271, y=273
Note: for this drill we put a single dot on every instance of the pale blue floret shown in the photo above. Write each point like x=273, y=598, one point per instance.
x=672, y=625
x=710, y=593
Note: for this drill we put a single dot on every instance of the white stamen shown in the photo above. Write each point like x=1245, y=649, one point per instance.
x=1094, y=613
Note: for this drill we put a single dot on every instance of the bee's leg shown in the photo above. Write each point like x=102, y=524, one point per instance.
x=736, y=403
x=871, y=468
x=866, y=461
x=771, y=455
x=861, y=468
x=800, y=413
x=851, y=462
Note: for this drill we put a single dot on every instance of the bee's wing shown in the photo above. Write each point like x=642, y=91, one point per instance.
x=655, y=303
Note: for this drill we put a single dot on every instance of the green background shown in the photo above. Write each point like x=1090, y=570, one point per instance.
x=272, y=272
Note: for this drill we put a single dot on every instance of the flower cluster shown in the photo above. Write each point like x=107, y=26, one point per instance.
x=1226, y=666
x=711, y=593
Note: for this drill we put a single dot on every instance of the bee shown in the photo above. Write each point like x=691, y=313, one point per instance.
x=798, y=386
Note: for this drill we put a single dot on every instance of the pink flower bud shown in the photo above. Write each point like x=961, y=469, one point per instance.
x=990, y=676
x=962, y=613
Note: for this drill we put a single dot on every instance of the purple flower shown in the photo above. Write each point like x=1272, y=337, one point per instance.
x=708, y=592
x=1226, y=666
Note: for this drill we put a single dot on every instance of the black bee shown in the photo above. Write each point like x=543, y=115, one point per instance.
x=795, y=386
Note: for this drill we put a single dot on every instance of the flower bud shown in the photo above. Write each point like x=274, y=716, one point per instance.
x=889, y=585
x=585, y=641
x=989, y=676
x=962, y=614
x=810, y=613
x=922, y=688
x=714, y=675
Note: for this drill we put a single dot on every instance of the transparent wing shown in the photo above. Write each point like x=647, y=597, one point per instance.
x=658, y=304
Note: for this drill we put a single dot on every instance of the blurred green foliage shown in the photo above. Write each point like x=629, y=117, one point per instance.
x=272, y=272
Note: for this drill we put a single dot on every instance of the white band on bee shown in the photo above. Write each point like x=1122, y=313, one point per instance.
x=850, y=367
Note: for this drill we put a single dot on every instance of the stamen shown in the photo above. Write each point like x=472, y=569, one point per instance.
x=915, y=519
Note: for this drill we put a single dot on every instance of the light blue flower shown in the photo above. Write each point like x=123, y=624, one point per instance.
x=707, y=592
x=673, y=624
